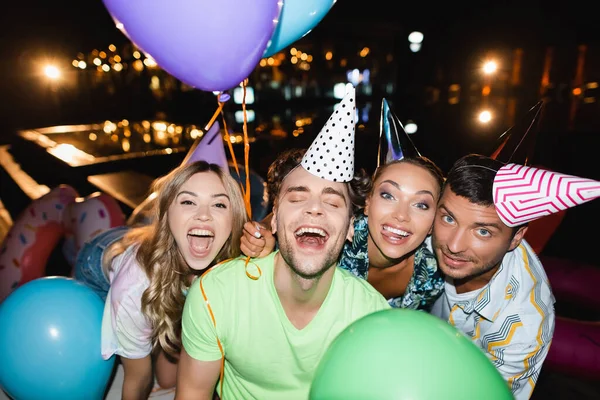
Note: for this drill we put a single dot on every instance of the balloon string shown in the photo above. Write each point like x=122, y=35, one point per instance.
x=228, y=139
x=246, y=153
x=230, y=147
x=215, y=115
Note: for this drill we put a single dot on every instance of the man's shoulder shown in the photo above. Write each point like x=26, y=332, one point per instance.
x=527, y=293
x=527, y=275
x=360, y=288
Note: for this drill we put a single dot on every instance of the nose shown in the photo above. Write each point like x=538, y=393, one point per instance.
x=203, y=213
x=402, y=212
x=457, y=241
x=314, y=208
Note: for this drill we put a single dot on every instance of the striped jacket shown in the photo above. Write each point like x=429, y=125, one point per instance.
x=511, y=318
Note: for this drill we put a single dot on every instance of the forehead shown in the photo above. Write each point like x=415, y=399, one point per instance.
x=466, y=212
x=301, y=177
x=204, y=181
x=405, y=172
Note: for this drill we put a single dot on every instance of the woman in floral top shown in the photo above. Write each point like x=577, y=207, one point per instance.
x=387, y=249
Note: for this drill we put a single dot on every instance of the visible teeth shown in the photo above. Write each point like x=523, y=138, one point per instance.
x=200, y=232
x=396, y=231
x=316, y=231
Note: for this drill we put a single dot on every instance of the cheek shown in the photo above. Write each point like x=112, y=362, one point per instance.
x=440, y=230
x=378, y=209
x=226, y=223
x=487, y=251
x=423, y=223
x=177, y=216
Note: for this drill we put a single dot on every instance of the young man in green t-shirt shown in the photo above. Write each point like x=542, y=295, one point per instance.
x=270, y=320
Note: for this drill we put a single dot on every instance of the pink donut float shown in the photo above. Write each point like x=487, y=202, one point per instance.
x=32, y=238
x=86, y=217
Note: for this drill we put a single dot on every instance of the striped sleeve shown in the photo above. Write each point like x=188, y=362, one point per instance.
x=518, y=351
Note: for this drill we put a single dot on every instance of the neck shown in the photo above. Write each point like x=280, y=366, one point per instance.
x=378, y=260
x=298, y=292
x=475, y=282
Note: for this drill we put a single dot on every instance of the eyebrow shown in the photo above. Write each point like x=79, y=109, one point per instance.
x=327, y=190
x=394, y=184
x=195, y=195
x=330, y=190
x=477, y=224
x=296, y=189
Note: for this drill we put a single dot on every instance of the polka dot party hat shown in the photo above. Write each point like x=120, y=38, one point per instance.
x=331, y=154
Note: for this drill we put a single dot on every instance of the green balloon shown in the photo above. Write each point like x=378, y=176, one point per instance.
x=405, y=355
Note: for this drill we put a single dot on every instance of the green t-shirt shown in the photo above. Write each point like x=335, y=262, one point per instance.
x=266, y=357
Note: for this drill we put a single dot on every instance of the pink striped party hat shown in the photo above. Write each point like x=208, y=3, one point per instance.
x=523, y=194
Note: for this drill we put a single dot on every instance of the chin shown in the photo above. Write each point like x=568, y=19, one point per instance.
x=454, y=274
x=311, y=271
x=199, y=265
x=398, y=252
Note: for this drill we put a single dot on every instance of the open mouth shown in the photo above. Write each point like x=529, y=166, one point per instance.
x=394, y=234
x=200, y=241
x=311, y=236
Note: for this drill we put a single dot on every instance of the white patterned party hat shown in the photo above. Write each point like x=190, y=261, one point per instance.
x=331, y=154
x=523, y=194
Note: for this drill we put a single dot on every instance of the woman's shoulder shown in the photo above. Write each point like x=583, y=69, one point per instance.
x=127, y=276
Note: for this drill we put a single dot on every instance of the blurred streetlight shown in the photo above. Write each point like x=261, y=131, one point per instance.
x=485, y=117
x=415, y=37
x=415, y=47
x=416, y=41
x=490, y=67
x=52, y=72
x=410, y=127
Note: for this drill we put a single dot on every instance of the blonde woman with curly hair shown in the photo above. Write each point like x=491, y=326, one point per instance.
x=143, y=273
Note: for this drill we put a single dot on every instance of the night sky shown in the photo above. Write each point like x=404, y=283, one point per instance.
x=79, y=25
x=36, y=28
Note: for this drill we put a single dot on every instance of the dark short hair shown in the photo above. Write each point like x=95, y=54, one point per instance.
x=283, y=165
x=472, y=177
x=358, y=188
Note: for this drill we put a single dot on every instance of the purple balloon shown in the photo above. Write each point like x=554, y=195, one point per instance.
x=186, y=37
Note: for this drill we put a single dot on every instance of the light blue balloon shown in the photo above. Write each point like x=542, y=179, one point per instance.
x=297, y=18
x=50, y=342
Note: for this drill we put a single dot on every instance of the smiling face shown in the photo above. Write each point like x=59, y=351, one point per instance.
x=401, y=209
x=469, y=239
x=312, y=221
x=200, y=218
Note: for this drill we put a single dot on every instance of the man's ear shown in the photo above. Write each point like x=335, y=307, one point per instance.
x=516, y=240
x=274, y=221
x=350, y=234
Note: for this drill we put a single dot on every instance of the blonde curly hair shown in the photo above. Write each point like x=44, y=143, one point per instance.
x=159, y=256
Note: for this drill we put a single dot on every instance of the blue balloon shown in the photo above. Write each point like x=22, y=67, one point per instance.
x=50, y=342
x=298, y=18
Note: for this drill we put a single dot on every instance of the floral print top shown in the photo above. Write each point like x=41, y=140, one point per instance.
x=425, y=285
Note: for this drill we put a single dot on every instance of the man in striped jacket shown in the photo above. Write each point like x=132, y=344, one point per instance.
x=496, y=290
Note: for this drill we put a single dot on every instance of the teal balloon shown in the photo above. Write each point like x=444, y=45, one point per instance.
x=297, y=18
x=405, y=355
x=50, y=342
